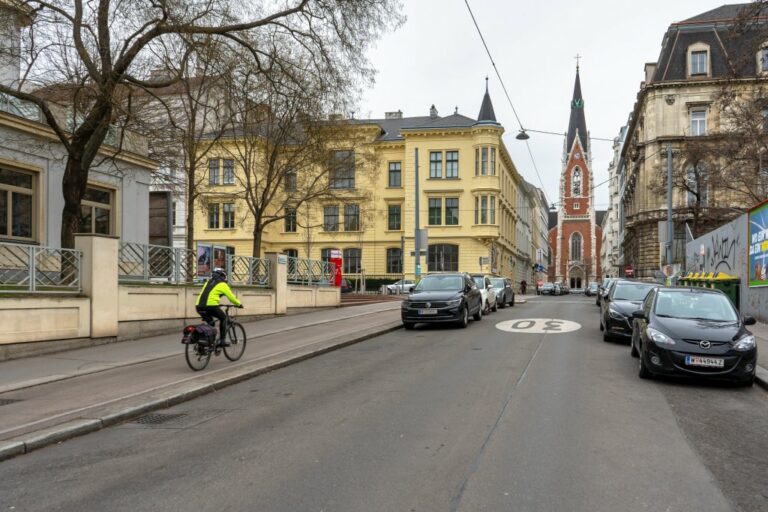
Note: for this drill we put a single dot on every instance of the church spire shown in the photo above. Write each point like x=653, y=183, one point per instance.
x=486, y=109
x=578, y=124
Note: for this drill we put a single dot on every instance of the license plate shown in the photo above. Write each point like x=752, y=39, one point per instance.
x=712, y=362
x=431, y=311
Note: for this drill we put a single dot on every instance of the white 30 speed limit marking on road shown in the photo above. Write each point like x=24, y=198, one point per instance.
x=538, y=326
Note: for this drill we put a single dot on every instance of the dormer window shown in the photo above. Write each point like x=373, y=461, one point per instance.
x=698, y=60
x=762, y=59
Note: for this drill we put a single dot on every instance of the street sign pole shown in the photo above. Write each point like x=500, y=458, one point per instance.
x=670, y=225
x=417, y=234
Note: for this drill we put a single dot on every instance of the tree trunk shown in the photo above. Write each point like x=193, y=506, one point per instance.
x=73, y=188
x=258, y=232
x=190, y=204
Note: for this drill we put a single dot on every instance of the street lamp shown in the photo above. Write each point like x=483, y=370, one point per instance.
x=522, y=135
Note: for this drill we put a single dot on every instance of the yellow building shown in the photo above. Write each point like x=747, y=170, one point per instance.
x=469, y=196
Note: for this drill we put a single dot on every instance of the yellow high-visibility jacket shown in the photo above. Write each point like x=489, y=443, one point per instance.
x=211, y=294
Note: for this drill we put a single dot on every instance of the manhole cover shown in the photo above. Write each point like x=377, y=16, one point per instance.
x=160, y=419
x=8, y=401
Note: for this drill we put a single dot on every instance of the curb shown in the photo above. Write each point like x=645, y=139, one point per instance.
x=74, y=428
x=761, y=377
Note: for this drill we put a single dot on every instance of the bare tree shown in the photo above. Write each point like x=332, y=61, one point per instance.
x=102, y=48
x=288, y=158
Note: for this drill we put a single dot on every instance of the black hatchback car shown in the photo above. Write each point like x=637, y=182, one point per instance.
x=442, y=298
x=695, y=332
x=617, y=306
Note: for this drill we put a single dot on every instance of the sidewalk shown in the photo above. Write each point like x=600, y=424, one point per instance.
x=50, y=398
x=760, y=330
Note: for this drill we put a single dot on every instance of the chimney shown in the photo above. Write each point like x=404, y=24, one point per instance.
x=12, y=18
x=650, y=70
x=393, y=115
x=433, y=112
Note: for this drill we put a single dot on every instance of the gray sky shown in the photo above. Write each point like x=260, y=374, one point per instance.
x=437, y=57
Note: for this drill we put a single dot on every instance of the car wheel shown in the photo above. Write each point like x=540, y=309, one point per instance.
x=503, y=301
x=601, y=326
x=495, y=306
x=632, y=350
x=409, y=325
x=479, y=315
x=464, y=317
x=606, y=336
x=643, y=372
x=512, y=303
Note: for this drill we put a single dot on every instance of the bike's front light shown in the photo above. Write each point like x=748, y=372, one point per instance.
x=659, y=337
x=745, y=343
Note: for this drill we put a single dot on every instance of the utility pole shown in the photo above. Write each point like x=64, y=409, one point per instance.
x=417, y=230
x=670, y=224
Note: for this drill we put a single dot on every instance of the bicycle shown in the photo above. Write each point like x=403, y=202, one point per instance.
x=198, y=351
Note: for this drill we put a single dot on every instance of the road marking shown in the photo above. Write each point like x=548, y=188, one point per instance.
x=538, y=326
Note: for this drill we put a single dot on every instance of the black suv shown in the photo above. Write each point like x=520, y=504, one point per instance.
x=441, y=298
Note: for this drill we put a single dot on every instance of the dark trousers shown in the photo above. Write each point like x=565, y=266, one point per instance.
x=208, y=313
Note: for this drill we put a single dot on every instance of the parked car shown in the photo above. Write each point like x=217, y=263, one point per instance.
x=483, y=282
x=591, y=289
x=564, y=289
x=603, y=289
x=441, y=298
x=548, y=289
x=695, y=332
x=557, y=289
x=505, y=294
x=401, y=286
x=616, y=309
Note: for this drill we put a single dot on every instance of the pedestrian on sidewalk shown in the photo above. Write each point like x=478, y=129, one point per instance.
x=208, y=301
x=523, y=286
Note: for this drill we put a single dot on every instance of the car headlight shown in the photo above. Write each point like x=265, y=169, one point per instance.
x=452, y=303
x=745, y=343
x=405, y=304
x=615, y=313
x=659, y=337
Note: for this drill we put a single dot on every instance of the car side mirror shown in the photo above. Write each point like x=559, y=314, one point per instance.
x=639, y=314
x=490, y=286
x=605, y=295
x=410, y=289
x=749, y=320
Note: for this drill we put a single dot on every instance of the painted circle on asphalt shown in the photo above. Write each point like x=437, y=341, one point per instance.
x=538, y=326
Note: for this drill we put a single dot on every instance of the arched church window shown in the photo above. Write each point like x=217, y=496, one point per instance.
x=576, y=182
x=576, y=246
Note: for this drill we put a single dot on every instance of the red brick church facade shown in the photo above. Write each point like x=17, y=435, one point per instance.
x=575, y=236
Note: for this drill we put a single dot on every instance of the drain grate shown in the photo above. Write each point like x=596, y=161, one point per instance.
x=160, y=419
x=8, y=401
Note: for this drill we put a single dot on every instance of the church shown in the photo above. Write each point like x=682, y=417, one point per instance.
x=575, y=235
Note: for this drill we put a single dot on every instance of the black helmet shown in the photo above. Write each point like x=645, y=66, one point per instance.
x=220, y=273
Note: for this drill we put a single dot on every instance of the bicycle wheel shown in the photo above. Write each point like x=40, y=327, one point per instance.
x=197, y=356
x=236, y=335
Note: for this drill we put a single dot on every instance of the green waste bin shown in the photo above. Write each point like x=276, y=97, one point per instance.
x=728, y=284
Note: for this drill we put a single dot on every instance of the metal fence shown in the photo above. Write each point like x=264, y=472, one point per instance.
x=142, y=262
x=35, y=269
x=311, y=272
x=244, y=270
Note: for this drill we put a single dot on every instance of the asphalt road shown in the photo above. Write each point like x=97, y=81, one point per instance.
x=436, y=419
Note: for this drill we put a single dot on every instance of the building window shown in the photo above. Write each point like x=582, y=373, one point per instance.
x=229, y=171
x=696, y=185
x=576, y=247
x=477, y=161
x=16, y=204
x=493, y=209
x=576, y=182
x=395, y=174
x=229, y=215
x=351, y=217
x=342, y=174
x=451, y=211
x=394, y=217
x=576, y=206
x=325, y=254
x=290, y=220
x=484, y=161
x=96, y=211
x=213, y=171
x=451, y=164
x=698, y=122
x=492, y=170
x=213, y=216
x=331, y=218
x=485, y=209
x=352, y=263
x=764, y=59
x=291, y=182
x=435, y=211
x=394, y=261
x=443, y=257
x=435, y=164
x=291, y=253
x=173, y=213
x=699, y=63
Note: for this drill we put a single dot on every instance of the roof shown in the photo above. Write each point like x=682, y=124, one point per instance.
x=577, y=126
x=729, y=54
x=722, y=13
x=391, y=129
x=599, y=215
x=486, y=109
x=552, y=219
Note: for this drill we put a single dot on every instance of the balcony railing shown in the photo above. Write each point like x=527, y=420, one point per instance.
x=35, y=269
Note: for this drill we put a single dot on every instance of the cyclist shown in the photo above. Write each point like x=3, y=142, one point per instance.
x=207, y=304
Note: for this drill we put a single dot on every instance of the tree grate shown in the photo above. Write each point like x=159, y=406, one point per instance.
x=160, y=419
x=8, y=401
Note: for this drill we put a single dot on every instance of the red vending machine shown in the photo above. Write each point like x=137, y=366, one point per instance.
x=336, y=259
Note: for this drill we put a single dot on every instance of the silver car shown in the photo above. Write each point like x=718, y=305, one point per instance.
x=401, y=286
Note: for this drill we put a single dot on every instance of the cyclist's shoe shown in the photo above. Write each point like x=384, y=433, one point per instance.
x=225, y=343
